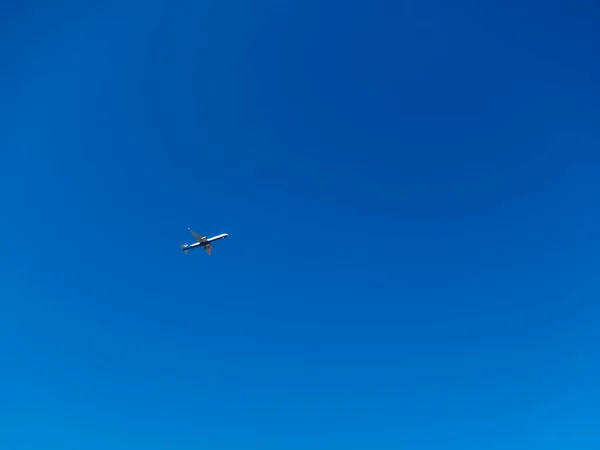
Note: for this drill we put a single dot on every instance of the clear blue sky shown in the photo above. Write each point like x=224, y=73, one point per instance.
x=412, y=195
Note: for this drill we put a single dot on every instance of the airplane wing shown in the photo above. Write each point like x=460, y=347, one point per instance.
x=198, y=237
x=208, y=249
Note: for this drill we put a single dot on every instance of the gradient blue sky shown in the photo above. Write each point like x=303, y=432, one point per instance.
x=412, y=194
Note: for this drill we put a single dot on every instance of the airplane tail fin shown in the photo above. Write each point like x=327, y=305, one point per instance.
x=183, y=247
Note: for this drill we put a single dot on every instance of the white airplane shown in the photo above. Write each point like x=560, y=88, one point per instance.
x=202, y=242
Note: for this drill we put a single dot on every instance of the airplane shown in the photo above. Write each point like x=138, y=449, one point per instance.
x=202, y=242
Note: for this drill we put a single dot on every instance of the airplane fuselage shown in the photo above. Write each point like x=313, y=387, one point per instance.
x=204, y=243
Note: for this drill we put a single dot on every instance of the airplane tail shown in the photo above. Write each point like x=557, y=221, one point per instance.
x=183, y=248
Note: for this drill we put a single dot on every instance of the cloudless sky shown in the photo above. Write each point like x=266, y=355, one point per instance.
x=411, y=190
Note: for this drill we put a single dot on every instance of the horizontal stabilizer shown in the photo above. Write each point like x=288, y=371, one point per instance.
x=184, y=248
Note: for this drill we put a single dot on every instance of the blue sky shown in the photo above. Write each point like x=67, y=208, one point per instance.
x=411, y=192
